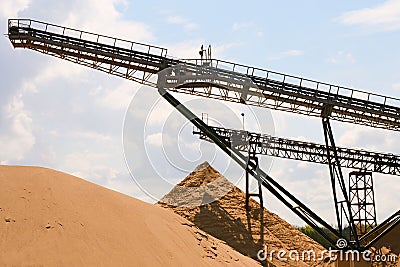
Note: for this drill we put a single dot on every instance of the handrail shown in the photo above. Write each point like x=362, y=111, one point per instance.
x=249, y=70
x=270, y=88
x=11, y=22
x=351, y=91
x=265, y=144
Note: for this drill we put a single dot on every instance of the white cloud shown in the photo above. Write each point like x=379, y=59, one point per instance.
x=248, y=27
x=157, y=114
x=307, y=182
x=17, y=138
x=176, y=20
x=385, y=16
x=159, y=140
x=111, y=22
x=237, y=26
x=90, y=166
x=280, y=121
x=285, y=54
x=191, y=26
x=11, y=8
x=154, y=139
x=55, y=69
x=379, y=140
x=217, y=51
x=49, y=155
x=92, y=136
x=303, y=165
x=293, y=53
x=186, y=49
x=396, y=86
x=194, y=146
x=386, y=195
x=179, y=20
x=115, y=98
x=303, y=138
x=51, y=86
x=260, y=33
x=341, y=57
x=125, y=185
x=100, y=162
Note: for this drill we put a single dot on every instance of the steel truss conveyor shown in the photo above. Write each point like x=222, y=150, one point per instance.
x=138, y=62
x=226, y=81
x=289, y=200
x=264, y=144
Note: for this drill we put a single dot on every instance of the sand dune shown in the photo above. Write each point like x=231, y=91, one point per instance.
x=227, y=219
x=391, y=240
x=49, y=218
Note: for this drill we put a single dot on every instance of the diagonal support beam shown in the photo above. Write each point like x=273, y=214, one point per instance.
x=267, y=89
x=290, y=201
x=386, y=163
x=337, y=180
x=252, y=158
x=369, y=239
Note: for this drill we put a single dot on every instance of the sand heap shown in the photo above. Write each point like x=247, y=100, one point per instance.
x=48, y=218
x=389, y=247
x=391, y=240
x=226, y=219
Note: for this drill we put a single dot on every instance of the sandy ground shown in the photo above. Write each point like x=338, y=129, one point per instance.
x=48, y=218
x=227, y=219
x=391, y=240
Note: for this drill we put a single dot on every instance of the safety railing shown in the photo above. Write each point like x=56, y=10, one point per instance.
x=27, y=24
x=301, y=83
x=287, y=83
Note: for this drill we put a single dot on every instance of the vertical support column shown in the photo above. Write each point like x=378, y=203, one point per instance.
x=252, y=158
x=362, y=200
x=337, y=180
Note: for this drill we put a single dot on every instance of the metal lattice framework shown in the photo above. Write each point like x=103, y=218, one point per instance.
x=264, y=144
x=126, y=59
x=138, y=62
x=232, y=82
x=362, y=201
x=251, y=166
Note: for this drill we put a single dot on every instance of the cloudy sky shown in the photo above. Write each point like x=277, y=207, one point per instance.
x=67, y=117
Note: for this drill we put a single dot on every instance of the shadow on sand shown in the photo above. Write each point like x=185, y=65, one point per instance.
x=246, y=239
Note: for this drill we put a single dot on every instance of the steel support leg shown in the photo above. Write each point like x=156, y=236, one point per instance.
x=295, y=205
x=253, y=159
x=337, y=178
x=252, y=164
x=362, y=200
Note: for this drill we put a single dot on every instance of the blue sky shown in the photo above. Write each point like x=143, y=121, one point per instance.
x=64, y=116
